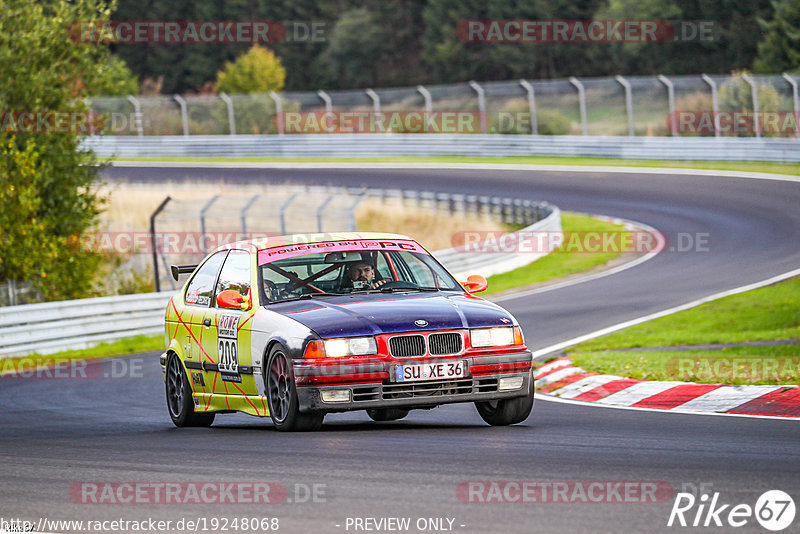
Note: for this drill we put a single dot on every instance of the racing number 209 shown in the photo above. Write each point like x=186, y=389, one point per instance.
x=228, y=355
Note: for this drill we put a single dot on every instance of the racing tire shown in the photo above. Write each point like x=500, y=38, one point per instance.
x=284, y=406
x=505, y=412
x=179, y=397
x=387, y=414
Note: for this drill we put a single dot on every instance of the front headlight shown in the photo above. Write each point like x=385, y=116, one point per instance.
x=492, y=337
x=350, y=346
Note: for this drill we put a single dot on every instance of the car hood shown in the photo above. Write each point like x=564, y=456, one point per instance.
x=379, y=313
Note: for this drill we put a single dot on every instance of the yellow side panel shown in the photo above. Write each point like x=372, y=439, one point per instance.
x=250, y=404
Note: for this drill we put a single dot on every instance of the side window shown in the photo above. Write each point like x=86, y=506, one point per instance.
x=201, y=287
x=235, y=273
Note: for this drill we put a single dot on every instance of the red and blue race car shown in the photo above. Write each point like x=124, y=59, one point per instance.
x=298, y=326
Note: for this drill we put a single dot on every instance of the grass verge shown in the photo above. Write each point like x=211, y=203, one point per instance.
x=561, y=262
x=732, y=365
x=744, y=166
x=131, y=345
x=769, y=313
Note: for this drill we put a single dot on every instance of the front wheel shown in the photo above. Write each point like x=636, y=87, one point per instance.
x=284, y=407
x=179, y=397
x=506, y=411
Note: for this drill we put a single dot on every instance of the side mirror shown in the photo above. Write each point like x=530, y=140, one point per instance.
x=232, y=299
x=475, y=283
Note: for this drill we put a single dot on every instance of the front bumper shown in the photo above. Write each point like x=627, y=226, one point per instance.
x=371, y=387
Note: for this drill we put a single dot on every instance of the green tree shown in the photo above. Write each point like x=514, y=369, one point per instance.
x=779, y=51
x=300, y=57
x=449, y=58
x=356, y=46
x=48, y=179
x=118, y=80
x=542, y=60
x=735, y=42
x=257, y=71
x=636, y=57
x=184, y=67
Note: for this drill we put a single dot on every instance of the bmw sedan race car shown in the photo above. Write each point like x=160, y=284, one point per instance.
x=299, y=326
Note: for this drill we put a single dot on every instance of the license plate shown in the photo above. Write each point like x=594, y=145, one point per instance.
x=430, y=371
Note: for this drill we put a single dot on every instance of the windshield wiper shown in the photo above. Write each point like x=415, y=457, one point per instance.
x=397, y=289
x=392, y=290
x=306, y=296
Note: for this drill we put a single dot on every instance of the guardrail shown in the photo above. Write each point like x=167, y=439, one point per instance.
x=488, y=145
x=50, y=327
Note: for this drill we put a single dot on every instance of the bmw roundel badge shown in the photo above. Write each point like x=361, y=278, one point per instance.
x=421, y=322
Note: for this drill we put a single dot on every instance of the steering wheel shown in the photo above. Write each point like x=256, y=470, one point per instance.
x=399, y=283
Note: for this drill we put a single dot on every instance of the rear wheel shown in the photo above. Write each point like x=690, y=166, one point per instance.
x=179, y=397
x=284, y=407
x=505, y=411
x=387, y=414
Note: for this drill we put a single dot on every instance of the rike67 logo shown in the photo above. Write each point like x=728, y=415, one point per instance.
x=774, y=510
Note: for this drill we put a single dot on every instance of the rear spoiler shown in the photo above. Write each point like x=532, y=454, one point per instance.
x=178, y=270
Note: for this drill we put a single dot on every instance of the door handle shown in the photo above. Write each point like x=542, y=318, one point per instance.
x=207, y=322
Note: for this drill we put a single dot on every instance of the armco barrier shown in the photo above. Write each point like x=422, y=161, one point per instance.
x=76, y=324
x=366, y=145
x=51, y=327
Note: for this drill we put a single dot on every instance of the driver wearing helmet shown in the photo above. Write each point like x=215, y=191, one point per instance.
x=362, y=275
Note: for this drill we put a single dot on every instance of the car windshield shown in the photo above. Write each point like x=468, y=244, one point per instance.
x=353, y=271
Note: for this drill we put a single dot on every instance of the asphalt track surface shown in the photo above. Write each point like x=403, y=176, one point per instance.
x=57, y=433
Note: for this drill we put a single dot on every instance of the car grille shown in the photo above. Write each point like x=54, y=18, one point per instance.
x=427, y=389
x=407, y=346
x=447, y=343
x=436, y=388
x=439, y=344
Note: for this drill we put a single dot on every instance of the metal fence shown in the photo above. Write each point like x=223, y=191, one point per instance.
x=13, y=293
x=183, y=231
x=616, y=106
